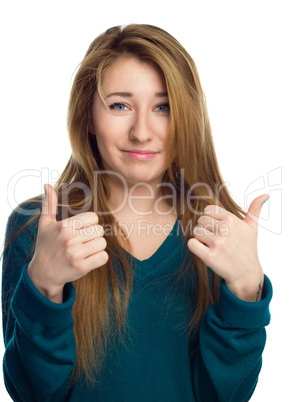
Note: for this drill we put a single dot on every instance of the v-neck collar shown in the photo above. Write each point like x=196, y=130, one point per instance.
x=145, y=268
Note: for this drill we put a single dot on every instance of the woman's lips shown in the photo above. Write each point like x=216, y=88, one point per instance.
x=141, y=155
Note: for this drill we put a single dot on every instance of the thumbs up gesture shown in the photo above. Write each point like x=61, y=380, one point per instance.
x=66, y=250
x=228, y=245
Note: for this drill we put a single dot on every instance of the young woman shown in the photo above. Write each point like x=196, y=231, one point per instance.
x=138, y=279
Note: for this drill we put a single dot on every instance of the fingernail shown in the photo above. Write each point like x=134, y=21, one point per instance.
x=266, y=200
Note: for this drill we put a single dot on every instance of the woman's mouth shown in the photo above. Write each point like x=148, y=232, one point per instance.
x=141, y=154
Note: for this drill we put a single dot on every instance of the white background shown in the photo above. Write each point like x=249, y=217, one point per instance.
x=241, y=51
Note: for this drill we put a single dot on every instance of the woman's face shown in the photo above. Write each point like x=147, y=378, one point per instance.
x=132, y=132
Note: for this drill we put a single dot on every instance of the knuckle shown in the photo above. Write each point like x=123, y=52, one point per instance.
x=92, y=216
x=215, y=241
x=197, y=230
x=86, y=231
x=208, y=209
x=229, y=219
x=99, y=230
x=68, y=242
x=219, y=242
x=98, y=260
x=102, y=243
x=201, y=220
x=224, y=229
x=71, y=257
x=76, y=223
x=103, y=257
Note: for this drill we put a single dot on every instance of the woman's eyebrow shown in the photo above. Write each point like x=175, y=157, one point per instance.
x=123, y=94
x=161, y=94
x=129, y=94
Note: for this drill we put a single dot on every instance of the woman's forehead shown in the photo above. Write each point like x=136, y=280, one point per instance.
x=129, y=74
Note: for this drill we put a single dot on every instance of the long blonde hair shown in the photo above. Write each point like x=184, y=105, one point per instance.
x=102, y=296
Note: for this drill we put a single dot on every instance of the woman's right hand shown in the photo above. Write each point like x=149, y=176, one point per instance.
x=65, y=250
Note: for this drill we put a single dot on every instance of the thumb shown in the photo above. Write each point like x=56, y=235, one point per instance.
x=252, y=216
x=49, y=206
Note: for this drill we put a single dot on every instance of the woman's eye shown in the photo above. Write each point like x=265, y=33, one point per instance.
x=118, y=106
x=164, y=107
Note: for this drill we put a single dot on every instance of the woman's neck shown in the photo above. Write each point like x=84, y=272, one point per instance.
x=138, y=201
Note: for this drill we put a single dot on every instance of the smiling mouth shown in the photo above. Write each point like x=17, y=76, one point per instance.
x=141, y=155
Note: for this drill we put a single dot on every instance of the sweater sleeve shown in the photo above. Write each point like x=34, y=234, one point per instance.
x=231, y=341
x=38, y=334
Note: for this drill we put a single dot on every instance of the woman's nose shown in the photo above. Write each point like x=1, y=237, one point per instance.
x=141, y=129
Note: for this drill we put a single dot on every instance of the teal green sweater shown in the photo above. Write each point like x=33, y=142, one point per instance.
x=155, y=363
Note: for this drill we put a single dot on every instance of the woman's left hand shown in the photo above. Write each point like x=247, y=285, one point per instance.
x=228, y=245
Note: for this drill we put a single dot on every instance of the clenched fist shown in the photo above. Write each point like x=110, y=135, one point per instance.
x=228, y=245
x=66, y=250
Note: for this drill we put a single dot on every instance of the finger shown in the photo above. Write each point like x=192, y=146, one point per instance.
x=252, y=216
x=216, y=212
x=88, y=233
x=85, y=250
x=199, y=249
x=81, y=220
x=95, y=261
x=203, y=235
x=49, y=207
x=208, y=223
